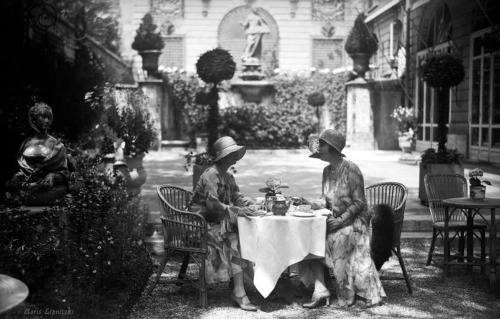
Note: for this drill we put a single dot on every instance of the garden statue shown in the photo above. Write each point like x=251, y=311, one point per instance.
x=46, y=170
x=255, y=28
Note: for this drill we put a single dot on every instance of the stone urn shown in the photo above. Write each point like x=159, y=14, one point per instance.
x=406, y=142
x=150, y=61
x=360, y=63
x=477, y=192
x=138, y=174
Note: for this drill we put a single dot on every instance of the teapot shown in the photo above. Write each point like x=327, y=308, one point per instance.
x=280, y=205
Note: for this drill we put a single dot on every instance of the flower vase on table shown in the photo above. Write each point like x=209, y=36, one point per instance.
x=477, y=191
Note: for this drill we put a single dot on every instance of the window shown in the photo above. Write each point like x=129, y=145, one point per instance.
x=327, y=53
x=173, y=52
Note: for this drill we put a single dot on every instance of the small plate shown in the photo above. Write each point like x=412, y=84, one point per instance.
x=302, y=214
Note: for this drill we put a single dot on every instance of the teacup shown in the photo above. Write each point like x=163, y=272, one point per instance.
x=304, y=208
x=254, y=207
x=260, y=200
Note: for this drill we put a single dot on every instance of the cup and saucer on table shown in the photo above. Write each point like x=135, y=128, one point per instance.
x=307, y=211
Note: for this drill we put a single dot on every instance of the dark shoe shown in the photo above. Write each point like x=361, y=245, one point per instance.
x=244, y=306
x=317, y=299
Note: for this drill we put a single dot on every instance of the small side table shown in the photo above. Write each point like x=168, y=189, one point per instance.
x=471, y=208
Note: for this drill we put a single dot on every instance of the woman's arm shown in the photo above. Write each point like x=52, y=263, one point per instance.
x=356, y=204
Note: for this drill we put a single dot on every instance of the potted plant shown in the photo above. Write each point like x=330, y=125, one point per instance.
x=360, y=44
x=149, y=43
x=441, y=71
x=317, y=99
x=476, y=187
x=407, y=125
x=131, y=124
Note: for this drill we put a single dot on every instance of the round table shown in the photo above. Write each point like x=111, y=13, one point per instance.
x=471, y=208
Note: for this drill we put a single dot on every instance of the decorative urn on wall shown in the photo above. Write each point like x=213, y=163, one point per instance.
x=360, y=44
x=149, y=43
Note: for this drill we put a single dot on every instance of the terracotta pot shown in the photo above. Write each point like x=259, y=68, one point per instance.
x=150, y=61
x=360, y=63
x=477, y=192
x=405, y=143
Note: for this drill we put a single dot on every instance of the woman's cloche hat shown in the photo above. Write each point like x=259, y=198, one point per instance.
x=225, y=146
x=331, y=137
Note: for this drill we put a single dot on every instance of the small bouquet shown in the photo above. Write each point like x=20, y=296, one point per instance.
x=474, y=180
x=273, y=186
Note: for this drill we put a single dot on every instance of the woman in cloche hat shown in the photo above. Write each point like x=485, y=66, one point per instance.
x=217, y=197
x=348, y=241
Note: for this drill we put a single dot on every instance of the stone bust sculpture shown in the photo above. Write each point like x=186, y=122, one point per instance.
x=43, y=162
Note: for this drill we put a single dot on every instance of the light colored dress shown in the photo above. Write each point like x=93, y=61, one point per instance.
x=348, y=248
x=217, y=197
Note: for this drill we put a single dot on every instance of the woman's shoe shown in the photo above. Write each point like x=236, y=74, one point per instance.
x=317, y=299
x=245, y=306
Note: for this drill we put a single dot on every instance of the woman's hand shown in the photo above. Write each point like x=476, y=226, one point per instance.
x=245, y=212
x=333, y=224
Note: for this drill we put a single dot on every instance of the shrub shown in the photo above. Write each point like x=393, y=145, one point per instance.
x=84, y=253
x=127, y=116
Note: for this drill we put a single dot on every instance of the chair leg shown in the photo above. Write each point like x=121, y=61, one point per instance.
x=397, y=252
x=203, y=283
x=431, y=250
x=483, y=249
x=183, y=269
x=461, y=245
x=167, y=255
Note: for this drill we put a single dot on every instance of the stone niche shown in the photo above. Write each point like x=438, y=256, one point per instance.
x=231, y=36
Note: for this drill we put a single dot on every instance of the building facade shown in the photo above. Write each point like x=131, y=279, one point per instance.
x=410, y=30
x=303, y=34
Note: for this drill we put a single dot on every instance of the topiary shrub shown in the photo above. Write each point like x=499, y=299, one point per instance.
x=443, y=70
x=213, y=67
x=360, y=39
x=147, y=38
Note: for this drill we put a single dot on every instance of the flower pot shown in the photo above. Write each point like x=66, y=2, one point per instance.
x=360, y=63
x=405, y=143
x=150, y=61
x=138, y=175
x=477, y=192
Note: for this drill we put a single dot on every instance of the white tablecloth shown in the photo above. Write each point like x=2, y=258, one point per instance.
x=275, y=242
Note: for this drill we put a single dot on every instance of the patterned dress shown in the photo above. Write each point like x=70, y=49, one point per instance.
x=217, y=197
x=348, y=248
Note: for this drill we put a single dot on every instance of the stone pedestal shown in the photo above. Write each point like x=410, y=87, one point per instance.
x=153, y=88
x=360, y=132
x=260, y=92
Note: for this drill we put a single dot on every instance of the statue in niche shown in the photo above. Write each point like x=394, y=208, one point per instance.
x=255, y=28
x=46, y=170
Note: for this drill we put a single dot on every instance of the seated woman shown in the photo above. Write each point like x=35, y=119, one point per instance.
x=348, y=239
x=217, y=197
x=42, y=158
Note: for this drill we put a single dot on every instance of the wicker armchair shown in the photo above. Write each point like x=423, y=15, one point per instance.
x=183, y=232
x=395, y=195
x=443, y=186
